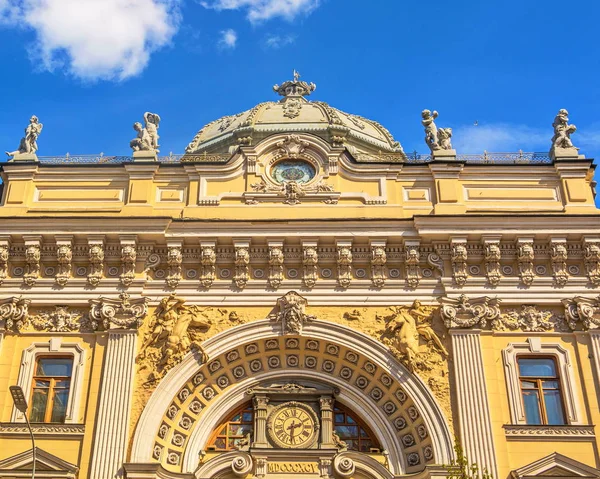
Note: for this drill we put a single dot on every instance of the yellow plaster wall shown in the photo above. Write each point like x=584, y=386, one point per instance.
x=514, y=453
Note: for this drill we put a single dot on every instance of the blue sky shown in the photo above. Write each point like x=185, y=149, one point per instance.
x=90, y=68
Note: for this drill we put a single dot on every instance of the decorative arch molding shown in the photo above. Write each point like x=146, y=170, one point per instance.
x=409, y=420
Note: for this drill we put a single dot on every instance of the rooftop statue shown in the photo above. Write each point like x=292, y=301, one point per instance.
x=28, y=143
x=147, y=137
x=435, y=139
x=562, y=130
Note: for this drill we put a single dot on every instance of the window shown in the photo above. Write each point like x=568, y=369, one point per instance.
x=540, y=390
x=50, y=389
x=234, y=431
x=350, y=430
x=544, y=370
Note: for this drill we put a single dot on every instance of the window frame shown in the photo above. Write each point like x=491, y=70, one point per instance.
x=53, y=348
x=540, y=389
x=51, y=389
x=210, y=444
x=568, y=384
x=371, y=437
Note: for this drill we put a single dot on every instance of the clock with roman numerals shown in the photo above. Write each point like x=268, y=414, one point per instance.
x=293, y=425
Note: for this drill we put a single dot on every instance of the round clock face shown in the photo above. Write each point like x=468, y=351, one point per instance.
x=293, y=425
x=293, y=170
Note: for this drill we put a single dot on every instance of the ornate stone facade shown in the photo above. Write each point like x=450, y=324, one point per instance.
x=296, y=296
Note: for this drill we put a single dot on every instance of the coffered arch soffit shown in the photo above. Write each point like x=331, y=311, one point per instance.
x=396, y=403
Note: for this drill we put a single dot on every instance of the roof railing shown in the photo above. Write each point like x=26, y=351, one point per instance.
x=496, y=158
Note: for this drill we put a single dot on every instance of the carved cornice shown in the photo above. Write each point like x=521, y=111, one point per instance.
x=13, y=313
x=20, y=429
x=530, y=319
x=550, y=433
x=121, y=313
x=582, y=310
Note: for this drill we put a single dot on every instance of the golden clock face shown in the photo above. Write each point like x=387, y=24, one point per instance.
x=293, y=425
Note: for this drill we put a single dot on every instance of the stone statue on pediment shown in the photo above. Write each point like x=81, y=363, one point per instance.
x=147, y=135
x=562, y=130
x=28, y=144
x=436, y=139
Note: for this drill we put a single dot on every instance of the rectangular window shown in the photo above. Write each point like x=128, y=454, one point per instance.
x=50, y=389
x=540, y=390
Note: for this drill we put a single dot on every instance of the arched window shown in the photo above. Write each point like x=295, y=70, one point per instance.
x=351, y=430
x=234, y=430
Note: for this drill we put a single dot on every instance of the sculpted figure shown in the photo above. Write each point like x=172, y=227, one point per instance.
x=406, y=325
x=170, y=333
x=29, y=141
x=562, y=130
x=431, y=132
x=147, y=135
x=444, y=137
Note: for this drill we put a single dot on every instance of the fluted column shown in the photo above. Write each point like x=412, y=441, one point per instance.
x=260, y=421
x=473, y=407
x=120, y=318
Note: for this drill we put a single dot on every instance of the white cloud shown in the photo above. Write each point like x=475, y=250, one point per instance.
x=278, y=41
x=94, y=39
x=228, y=38
x=261, y=10
x=500, y=137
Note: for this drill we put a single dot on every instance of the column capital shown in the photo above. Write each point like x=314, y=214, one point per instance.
x=119, y=314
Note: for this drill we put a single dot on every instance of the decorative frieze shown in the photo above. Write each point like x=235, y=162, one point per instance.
x=558, y=255
x=96, y=260
x=121, y=313
x=208, y=260
x=18, y=429
x=32, y=261
x=174, y=261
x=582, y=310
x=64, y=256
x=14, y=313
x=378, y=262
x=413, y=257
x=525, y=257
x=551, y=433
x=310, y=260
x=492, y=257
x=291, y=313
x=60, y=320
x=242, y=260
x=529, y=318
x=459, y=261
x=591, y=255
x=128, y=259
x=275, y=264
x=344, y=263
x=467, y=313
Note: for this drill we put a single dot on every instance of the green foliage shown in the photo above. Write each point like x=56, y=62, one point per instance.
x=461, y=468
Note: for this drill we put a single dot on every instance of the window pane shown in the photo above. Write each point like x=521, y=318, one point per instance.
x=528, y=384
x=38, y=405
x=554, y=409
x=59, y=408
x=339, y=418
x=537, y=367
x=220, y=443
x=239, y=430
x=54, y=367
x=347, y=431
x=42, y=384
x=532, y=409
x=247, y=417
x=365, y=446
x=550, y=384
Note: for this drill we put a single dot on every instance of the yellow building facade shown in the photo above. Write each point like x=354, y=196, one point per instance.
x=297, y=297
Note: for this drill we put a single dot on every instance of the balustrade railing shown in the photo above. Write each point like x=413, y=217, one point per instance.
x=505, y=158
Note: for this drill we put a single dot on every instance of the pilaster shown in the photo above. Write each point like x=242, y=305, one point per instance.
x=120, y=319
x=260, y=413
x=473, y=408
x=326, y=404
x=595, y=343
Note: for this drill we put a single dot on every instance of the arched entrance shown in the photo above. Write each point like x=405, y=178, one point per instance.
x=193, y=399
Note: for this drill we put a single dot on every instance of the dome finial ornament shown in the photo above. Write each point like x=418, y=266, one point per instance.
x=295, y=87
